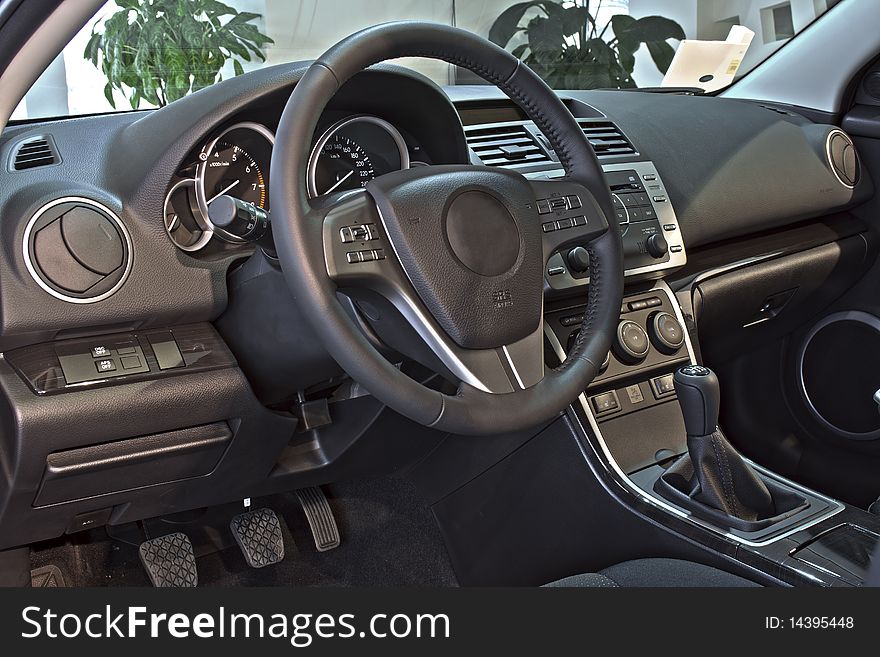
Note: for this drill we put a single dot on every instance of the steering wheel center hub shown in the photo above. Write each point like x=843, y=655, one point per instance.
x=470, y=242
x=482, y=233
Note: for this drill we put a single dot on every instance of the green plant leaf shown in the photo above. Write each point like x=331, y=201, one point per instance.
x=546, y=38
x=655, y=28
x=662, y=54
x=156, y=51
x=508, y=23
x=574, y=19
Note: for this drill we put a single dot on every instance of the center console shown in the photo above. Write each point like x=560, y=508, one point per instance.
x=632, y=418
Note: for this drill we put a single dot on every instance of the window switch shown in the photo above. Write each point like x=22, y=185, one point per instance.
x=165, y=348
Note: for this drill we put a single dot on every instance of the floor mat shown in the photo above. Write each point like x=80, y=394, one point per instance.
x=389, y=538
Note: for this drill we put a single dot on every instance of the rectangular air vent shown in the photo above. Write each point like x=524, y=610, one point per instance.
x=606, y=138
x=35, y=152
x=505, y=145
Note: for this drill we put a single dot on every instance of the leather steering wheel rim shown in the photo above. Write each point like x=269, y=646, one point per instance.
x=298, y=237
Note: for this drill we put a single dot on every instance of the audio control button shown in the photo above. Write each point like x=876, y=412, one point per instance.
x=632, y=343
x=666, y=332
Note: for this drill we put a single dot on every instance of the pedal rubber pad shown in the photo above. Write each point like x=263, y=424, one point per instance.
x=320, y=517
x=258, y=534
x=170, y=561
x=47, y=577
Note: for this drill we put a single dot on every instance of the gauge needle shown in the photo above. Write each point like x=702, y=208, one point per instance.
x=221, y=193
x=340, y=181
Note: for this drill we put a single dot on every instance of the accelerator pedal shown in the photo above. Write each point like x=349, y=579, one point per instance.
x=258, y=534
x=170, y=561
x=320, y=517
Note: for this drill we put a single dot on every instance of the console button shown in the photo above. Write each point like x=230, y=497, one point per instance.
x=605, y=403
x=637, y=305
x=642, y=199
x=676, y=248
x=543, y=206
x=126, y=349
x=167, y=353
x=666, y=332
x=657, y=246
x=100, y=351
x=574, y=202
x=106, y=365
x=632, y=343
x=571, y=320
x=634, y=392
x=130, y=362
x=556, y=271
x=668, y=227
x=649, y=213
x=663, y=386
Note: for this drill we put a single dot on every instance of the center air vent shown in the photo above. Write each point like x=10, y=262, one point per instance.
x=35, y=152
x=505, y=145
x=842, y=157
x=77, y=250
x=606, y=138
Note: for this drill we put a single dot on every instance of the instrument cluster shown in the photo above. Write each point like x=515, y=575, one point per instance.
x=234, y=164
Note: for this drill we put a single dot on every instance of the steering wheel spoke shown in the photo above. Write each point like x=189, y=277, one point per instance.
x=569, y=214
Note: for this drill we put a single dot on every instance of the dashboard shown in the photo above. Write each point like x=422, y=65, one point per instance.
x=686, y=172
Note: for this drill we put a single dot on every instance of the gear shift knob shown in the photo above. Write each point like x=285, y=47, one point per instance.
x=700, y=397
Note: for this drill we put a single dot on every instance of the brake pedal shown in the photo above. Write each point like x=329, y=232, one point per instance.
x=170, y=561
x=320, y=517
x=258, y=534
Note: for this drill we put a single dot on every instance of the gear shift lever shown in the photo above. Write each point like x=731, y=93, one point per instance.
x=713, y=479
x=700, y=398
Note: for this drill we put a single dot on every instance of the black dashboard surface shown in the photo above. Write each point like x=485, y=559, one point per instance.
x=731, y=168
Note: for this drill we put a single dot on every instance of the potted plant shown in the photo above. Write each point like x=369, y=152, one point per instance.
x=564, y=45
x=160, y=50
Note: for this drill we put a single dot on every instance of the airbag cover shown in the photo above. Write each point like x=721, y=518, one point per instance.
x=470, y=242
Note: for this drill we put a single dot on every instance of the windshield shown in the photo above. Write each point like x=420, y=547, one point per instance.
x=140, y=54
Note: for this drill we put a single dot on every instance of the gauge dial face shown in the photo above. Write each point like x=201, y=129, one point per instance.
x=354, y=151
x=231, y=170
x=342, y=165
x=235, y=163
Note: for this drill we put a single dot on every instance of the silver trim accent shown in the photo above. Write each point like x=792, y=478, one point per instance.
x=204, y=154
x=649, y=496
x=85, y=201
x=828, y=137
x=314, y=156
x=206, y=235
x=665, y=215
x=846, y=316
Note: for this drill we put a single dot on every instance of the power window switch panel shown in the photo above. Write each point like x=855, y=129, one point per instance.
x=165, y=348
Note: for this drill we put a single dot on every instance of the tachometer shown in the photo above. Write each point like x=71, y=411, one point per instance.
x=236, y=164
x=353, y=152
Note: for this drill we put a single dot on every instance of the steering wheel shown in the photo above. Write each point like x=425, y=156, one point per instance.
x=459, y=250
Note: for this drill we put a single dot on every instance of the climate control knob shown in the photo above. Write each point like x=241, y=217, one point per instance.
x=578, y=260
x=666, y=332
x=657, y=246
x=631, y=344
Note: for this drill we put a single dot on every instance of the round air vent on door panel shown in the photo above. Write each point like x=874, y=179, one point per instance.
x=839, y=373
x=842, y=158
x=77, y=250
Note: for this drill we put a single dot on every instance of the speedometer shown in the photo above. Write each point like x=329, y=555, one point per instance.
x=353, y=152
x=343, y=164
